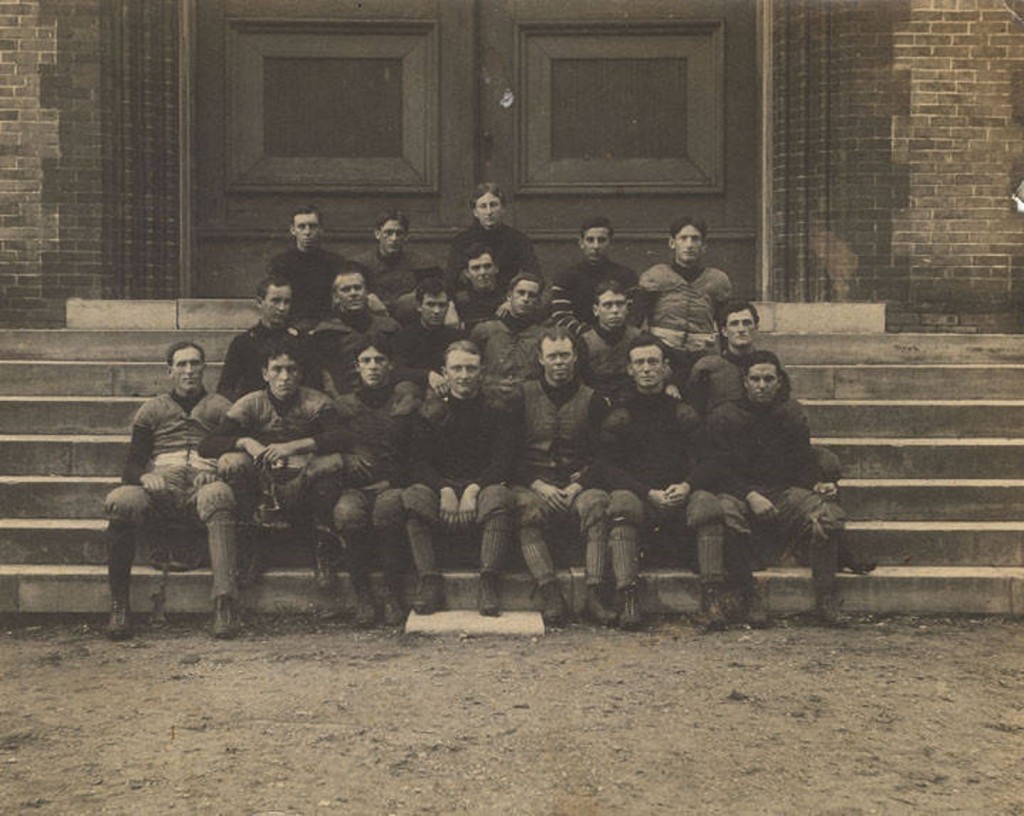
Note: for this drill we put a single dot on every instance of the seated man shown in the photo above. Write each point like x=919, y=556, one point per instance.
x=651, y=443
x=369, y=516
x=275, y=446
x=308, y=267
x=166, y=481
x=716, y=378
x=335, y=338
x=460, y=456
x=509, y=343
x=679, y=301
x=393, y=270
x=419, y=347
x=606, y=348
x=762, y=456
x=557, y=480
x=573, y=291
x=243, y=369
x=481, y=296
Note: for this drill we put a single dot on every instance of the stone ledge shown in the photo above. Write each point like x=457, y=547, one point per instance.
x=821, y=318
x=889, y=590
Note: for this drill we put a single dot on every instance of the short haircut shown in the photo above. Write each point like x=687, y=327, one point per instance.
x=183, y=344
x=643, y=341
x=273, y=279
x=350, y=269
x=279, y=347
x=474, y=251
x=525, y=276
x=483, y=189
x=609, y=285
x=392, y=215
x=433, y=286
x=734, y=306
x=554, y=334
x=376, y=340
x=308, y=209
x=468, y=346
x=597, y=222
x=760, y=357
x=688, y=221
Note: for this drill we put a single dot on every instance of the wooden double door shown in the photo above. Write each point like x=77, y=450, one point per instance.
x=639, y=111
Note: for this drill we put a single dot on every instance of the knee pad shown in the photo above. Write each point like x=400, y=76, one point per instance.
x=388, y=509
x=212, y=498
x=494, y=500
x=703, y=508
x=127, y=503
x=625, y=507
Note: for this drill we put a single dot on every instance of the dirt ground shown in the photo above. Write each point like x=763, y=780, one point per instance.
x=297, y=717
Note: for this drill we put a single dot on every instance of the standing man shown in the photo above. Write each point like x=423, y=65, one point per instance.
x=651, y=443
x=557, y=479
x=308, y=267
x=678, y=301
x=419, y=348
x=460, y=458
x=166, y=480
x=369, y=516
x=335, y=338
x=243, y=368
x=605, y=362
x=716, y=378
x=573, y=291
x=509, y=343
x=393, y=270
x=761, y=452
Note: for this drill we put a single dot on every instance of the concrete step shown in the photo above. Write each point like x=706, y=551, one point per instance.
x=71, y=344
x=915, y=418
x=889, y=590
x=892, y=458
x=794, y=349
x=933, y=499
x=904, y=382
x=898, y=543
x=56, y=455
x=850, y=418
x=933, y=543
x=71, y=497
x=89, y=378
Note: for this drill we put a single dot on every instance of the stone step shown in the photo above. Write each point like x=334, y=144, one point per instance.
x=905, y=382
x=89, y=378
x=933, y=499
x=71, y=497
x=70, y=344
x=892, y=458
x=55, y=455
x=852, y=418
x=915, y=418
x=895, y=543
x=889, y=590
x=793, y=349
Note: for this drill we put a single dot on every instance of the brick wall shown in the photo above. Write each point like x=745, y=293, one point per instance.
x=897, y=141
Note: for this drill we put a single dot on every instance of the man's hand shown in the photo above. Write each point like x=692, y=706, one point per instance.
x=554, y=499
x=279, y=451
x=322, y=465
x=251, y=446
x=153, y=482
x=437, y=383
x=358, y=466
x=467, y=505
x=659, y=498
x=204, y=478
x=678, y=493
x=570, y=492
x=375, y=305
x=673, y=391
x=760, y=506
x=827, y=489
x=449, y=507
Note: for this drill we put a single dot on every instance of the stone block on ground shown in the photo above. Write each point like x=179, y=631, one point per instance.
x=470, y=622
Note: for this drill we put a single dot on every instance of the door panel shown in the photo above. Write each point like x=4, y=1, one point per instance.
x=640, y=111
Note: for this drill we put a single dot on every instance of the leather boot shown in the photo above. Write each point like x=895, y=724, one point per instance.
x=554, y=612
x=325, y=554
x=225, y=617
x=753, y=606
x=824, y=564
x=365, y=615
x=430, y=595
x=848, y=561
x=596, y=608
x=713, y=615
x=630, y=618
x=488, y=602
x=391, y=606
x=120, y=625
